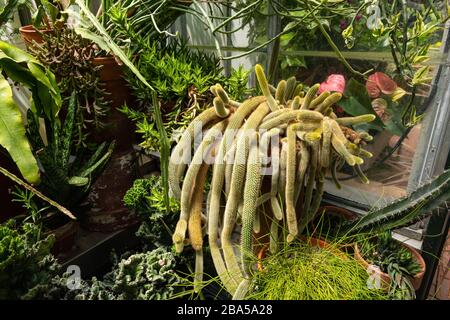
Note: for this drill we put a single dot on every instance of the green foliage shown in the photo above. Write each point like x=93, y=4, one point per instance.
x=236, y=84
x=13, y=137
x=21, y=67
x=146, y=197
x=7, y=12
x=145, y=17
x=69, y=57
x=48, y=13
x=404, y=211
x=145, y=276
x=181, y=78
x=394, y=259
x=141, y=276
x=356, y=102
x=65, y=179
x=26, y=199
x=24, y=259
x=172, y=69
x=303, y=272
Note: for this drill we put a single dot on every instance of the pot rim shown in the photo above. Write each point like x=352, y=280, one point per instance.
x=110, y=59
x=29, y=28
x=414, y=252
x=314, y=242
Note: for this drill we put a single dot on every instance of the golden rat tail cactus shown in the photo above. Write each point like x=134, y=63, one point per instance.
x=295, y=133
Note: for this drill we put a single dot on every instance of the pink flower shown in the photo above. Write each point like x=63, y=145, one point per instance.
x=334, y=82
x=378, y=83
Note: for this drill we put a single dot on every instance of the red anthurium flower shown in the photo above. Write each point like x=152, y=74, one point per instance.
x=378, y=83
x=372, y=88
x=334, y=82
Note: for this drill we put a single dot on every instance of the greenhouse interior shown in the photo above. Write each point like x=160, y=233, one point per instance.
x=191, y=150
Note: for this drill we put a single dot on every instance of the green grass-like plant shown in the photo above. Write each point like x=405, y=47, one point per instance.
x=305, y=272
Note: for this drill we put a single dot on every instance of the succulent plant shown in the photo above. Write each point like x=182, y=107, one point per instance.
x=25, y=259
x=404, y=211
x=305, y=136
x=69, y=57
x=68, y=173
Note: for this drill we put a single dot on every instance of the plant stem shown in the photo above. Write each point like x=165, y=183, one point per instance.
x=211, y=27
x=235, y=16
x=36, y=192
x=332, y=44
x=164, y=149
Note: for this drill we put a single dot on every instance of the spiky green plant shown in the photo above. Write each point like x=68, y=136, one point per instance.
x=182, y=78
x=65, y=180
x=404, y=211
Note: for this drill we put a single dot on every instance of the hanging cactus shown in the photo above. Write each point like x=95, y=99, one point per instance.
x=301, y=139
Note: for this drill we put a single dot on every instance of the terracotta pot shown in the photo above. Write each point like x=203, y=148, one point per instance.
x=314, y=242
x=107, y=211
x=30, y=34
x=112, y=75
x=119, y=127
x=416, y=281
x=330, y=211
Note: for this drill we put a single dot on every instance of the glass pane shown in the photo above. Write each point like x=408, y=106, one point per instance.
x=388, y=173
x=236, y=38
x=308, y=56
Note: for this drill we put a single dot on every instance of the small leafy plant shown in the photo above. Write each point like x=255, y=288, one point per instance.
x=150, y=275
x=395, y=260
x=25, y=259
x=145, y=276
x=146, y=198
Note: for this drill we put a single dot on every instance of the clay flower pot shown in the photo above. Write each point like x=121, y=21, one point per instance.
x=30, y=34
x=385, y=282
x=112, y=75
x=313, y=242
x=329, y=211
x=108, y=213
